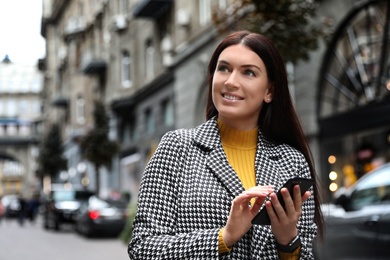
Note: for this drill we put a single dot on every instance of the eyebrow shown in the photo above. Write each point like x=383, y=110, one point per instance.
x=244, y=66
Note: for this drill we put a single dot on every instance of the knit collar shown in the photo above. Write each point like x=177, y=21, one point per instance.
x=237, y=139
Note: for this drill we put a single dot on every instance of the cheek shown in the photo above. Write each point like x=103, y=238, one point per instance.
x=213, y=93
x=214, y=87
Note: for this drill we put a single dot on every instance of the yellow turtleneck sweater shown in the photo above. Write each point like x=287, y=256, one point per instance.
x=240, y=149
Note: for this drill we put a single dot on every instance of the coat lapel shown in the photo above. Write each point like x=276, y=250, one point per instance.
x=266, y=163
x=267, y=173
x=208, y=138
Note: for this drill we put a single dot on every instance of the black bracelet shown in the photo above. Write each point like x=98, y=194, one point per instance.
x=291, y=247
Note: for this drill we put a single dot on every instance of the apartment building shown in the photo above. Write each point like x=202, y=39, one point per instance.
x=20, y=117
x=147, y=61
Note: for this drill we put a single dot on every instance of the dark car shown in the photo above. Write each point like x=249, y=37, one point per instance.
x=13, y=208
x=358, y=224
x=101, y=217
x=62, y=205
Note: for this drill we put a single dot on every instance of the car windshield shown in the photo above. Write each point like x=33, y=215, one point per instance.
x=373, y=189
x=68, y=195
x=379, y=178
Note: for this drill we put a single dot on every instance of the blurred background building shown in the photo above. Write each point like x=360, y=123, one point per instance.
x=20, y=119
x=147, y=61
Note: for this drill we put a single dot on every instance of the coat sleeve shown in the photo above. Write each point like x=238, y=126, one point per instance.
x=154, y=229
x=306, y=226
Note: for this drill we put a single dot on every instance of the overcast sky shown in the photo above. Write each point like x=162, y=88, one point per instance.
x=20, y=37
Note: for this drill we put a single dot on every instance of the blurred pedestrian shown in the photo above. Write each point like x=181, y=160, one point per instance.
x=33, y=207
x=203, y=186
x=23, y=210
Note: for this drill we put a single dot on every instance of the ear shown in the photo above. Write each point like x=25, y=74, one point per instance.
x=269, y=94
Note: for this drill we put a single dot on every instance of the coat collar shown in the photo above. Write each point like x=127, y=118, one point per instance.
x=207, y=137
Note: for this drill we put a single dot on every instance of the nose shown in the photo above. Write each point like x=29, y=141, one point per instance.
x=232, y=81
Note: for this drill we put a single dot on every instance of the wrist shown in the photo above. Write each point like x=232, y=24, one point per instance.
x=226, y=239
x=287, y=238
x=291, y=246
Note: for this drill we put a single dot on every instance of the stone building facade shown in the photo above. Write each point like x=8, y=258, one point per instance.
x=147, y=61
x=20, y=118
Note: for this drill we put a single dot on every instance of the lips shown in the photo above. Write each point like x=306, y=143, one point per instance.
x=231, y=97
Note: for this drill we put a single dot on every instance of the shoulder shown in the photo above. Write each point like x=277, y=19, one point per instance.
x=205, y=135
x=183, y=135
x=290, y=152
x=287, y=155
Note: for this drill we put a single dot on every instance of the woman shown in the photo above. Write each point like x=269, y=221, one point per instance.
x=203, y=186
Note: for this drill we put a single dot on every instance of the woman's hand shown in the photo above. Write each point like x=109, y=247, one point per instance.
x=284, y=222
x=241, y=214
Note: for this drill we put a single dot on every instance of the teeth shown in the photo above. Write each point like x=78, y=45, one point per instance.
x=231, y=97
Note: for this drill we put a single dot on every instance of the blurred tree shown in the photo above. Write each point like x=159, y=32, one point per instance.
x=96, y=147
x=50, y=159
x=288, y=23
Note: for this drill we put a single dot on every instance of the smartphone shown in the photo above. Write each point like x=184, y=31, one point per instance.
x=262, y=217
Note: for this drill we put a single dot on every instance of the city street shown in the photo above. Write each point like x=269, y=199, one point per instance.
x=33, y=242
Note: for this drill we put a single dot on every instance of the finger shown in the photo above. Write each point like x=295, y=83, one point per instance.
x=288, y=201
x=258, y=191
x=240, y=200
x=277, y=206
x=257, y=205
x=305, y=196
x=261, y=188
x=297, y=197
x=271, y=212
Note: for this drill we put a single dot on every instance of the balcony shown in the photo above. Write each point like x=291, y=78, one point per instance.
x=151, y=8
x=60, y=102
x=17, y=131
x=75, y=25
x=91, y=64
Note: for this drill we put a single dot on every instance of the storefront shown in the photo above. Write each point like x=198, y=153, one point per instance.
x=354, y=96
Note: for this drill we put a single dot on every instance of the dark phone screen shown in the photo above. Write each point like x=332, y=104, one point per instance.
x=262, y=217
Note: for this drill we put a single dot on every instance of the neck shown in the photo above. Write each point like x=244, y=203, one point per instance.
x=240, y=125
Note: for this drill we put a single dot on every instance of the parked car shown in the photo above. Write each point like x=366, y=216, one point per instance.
x=101, y=217
x=358, y=223
x=12, y=206
x=62, y=205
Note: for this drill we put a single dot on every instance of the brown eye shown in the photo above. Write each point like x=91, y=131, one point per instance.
x=222, y=68
x=250, y=73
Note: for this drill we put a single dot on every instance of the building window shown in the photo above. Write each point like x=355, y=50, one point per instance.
x=222, y=4
x=80, y=110
x=168, y=115
x=36, y=86
x=24, y=107
x=126, y=134
x=123, y=7
x=204, y=12
x=149, y=121
x=36, y=107
x=129, y=132
x=24, y=86
x=11, y=108
x=126, y=69
x=149, y=59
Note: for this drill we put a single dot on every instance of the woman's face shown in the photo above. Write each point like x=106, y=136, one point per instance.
x=240, y=86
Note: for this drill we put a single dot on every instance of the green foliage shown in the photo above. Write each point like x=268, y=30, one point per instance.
x=50, y=159
x=96, y=147
x=288, y=23
x=125, y=235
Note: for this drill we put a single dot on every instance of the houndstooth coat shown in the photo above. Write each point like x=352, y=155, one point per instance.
x=187, y=190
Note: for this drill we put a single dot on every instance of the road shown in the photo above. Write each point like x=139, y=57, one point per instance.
x=32, y=242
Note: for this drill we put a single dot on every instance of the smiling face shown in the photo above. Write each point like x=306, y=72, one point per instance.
x=240, y=86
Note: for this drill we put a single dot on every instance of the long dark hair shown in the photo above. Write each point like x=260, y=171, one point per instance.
x=278, y=120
